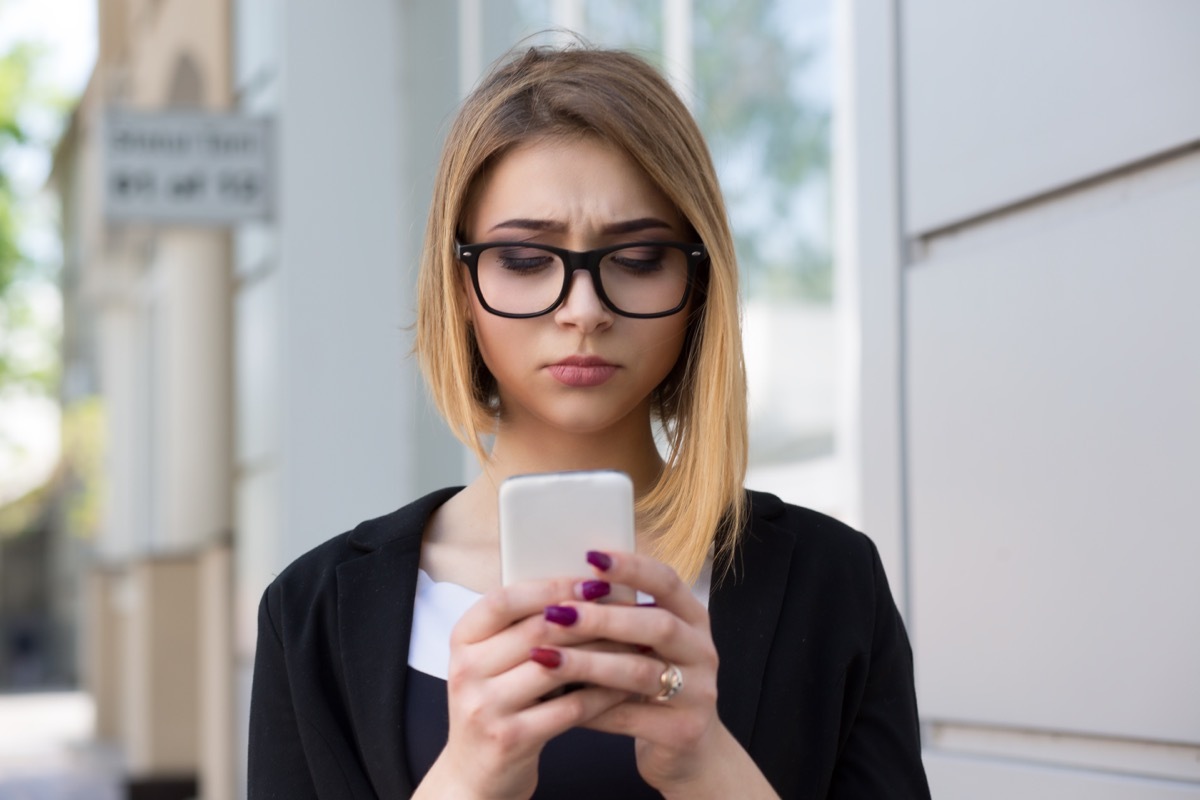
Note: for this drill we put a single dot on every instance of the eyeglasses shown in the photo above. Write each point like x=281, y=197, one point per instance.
x=636, y=279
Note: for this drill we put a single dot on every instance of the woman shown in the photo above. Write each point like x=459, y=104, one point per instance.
x=773, y=661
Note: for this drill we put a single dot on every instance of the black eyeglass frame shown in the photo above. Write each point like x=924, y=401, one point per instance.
x=589, y=260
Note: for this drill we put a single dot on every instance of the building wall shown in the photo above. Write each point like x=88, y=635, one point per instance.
x=1039, y=169
x=333, y=426
x=149, y=335
x=1014, y=187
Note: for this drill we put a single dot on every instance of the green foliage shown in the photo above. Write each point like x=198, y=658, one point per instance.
x=631, y=24
x=23, y=337
x=15, y=68
x=770, y=142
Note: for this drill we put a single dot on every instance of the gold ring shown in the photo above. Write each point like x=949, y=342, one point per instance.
x=671, y=681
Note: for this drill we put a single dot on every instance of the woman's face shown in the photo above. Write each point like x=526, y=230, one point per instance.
x=581, y=368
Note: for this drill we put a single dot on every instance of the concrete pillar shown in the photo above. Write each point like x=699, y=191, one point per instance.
x=123, y=384
x=190, y=341
x=218, y=771
x=160, y=674
x=101, y=651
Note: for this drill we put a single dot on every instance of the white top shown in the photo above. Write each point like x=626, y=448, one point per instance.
x=440, y=604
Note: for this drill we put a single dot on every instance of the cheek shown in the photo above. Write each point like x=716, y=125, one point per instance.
x=675, y=332
x=680, y=337
x=495, y=340
x=665, y=348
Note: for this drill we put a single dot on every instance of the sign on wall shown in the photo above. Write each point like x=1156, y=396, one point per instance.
x=183, y=167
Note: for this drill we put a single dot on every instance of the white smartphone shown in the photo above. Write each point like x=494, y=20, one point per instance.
x=549, y=521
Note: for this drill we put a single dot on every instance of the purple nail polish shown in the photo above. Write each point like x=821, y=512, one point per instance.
x=561, y=615
x=594, y=590
x=601, y=561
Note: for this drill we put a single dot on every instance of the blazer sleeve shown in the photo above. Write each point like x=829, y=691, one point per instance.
x=278, y=767
x=881, y=756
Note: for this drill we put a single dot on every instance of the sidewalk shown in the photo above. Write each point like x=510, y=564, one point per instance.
x=47, y=752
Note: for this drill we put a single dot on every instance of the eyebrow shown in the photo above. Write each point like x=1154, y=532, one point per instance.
x=552, y=226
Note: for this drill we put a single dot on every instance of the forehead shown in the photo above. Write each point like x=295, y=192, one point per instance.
x=577, y=185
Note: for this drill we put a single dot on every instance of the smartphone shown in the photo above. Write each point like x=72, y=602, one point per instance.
x=549, y=521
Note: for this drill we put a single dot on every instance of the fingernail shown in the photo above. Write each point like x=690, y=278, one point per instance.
x=546, y=657
x=601, y=561
x=561, y=615
x=594, y=590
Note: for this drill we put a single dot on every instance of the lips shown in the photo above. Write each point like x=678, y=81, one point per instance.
x=582, y=371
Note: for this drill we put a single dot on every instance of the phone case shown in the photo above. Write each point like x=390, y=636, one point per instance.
x=549, y=521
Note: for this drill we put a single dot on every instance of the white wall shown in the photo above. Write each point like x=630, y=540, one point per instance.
x=327, y=416
x=332, y=425
x=1014, y=190
x=1039, y=163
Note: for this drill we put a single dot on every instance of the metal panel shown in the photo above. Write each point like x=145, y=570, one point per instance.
x=958, y=778
x=1054, y=385
x=1006, y=99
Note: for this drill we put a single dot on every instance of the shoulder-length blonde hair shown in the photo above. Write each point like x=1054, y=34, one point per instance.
x=612, y=95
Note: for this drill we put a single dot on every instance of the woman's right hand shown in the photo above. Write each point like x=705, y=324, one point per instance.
x=498, y=721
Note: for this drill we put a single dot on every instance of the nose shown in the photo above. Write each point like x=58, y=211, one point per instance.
x=583, y=307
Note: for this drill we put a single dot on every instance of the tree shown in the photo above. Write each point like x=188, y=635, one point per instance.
x=14, y=83
x=21, y=365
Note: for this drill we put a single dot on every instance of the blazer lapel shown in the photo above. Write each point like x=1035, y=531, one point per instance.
x=744, y=611
x=375, y=609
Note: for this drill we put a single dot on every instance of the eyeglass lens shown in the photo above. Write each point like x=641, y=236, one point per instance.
x=525, y=279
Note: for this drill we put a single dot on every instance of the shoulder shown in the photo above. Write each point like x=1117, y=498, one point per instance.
x=836, y=682
x=402, y=529
x=809, y=533
x=821, y=580
x=816, y=561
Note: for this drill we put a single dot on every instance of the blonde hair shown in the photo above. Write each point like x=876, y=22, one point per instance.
x=698, y=501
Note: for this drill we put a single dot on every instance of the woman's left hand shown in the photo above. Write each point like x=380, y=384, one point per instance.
x=682, y=747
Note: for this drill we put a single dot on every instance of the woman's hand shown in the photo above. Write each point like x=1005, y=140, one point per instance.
x=682, y=747
x=498, y=721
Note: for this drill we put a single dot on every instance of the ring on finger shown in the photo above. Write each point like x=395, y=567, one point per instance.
x=671, y=682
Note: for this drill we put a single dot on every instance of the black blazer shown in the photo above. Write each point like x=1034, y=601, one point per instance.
x=815, y=678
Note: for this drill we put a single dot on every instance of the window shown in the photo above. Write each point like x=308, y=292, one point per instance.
x=758, y=76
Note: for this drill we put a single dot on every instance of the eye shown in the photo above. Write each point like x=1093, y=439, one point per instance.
x=640, y=260
x=522, y=260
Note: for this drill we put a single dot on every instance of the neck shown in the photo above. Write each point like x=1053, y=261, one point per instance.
x=508, y=460
x=524, y=446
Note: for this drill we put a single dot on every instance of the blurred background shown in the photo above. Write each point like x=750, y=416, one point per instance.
x=971, y=253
